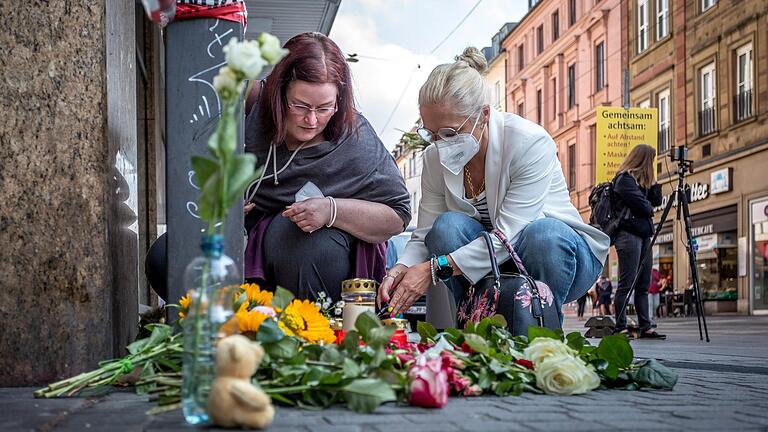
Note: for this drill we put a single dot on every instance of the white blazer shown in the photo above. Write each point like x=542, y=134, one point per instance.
x=523, y=182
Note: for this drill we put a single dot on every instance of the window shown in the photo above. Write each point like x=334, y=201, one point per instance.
x=706, y=4
x=743, y=98
x=521, y=109
x=540, y=39
x=663, y=107
x=645, y=104
x=497, y=95
x=642, y=25
x=532, y=3
x=572, y=167
x=599, y=66
x=554, y=98
x=571, y=86
x=538, y=106
x=555, y=25
x=571, y=12
x=662, y=19
x=520, y=57
x=707, y=89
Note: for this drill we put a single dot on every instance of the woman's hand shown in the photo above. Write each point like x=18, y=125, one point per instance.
x=309, y=215
x=393, y=277
x=248, y=207
x=412, y=284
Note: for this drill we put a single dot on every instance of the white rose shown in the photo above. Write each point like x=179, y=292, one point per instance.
x=244, y=57
x=271, y=49
x=226, y=82
x=541, y=348
x=563, y=374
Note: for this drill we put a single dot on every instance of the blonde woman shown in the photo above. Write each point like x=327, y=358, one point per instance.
x=489, y=171
x=635, y=188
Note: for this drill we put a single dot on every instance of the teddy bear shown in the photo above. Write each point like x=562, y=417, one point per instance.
x=233, y=400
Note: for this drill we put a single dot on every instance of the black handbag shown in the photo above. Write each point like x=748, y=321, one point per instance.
x=513, y=294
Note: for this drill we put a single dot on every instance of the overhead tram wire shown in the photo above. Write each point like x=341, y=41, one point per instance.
x=410, y=77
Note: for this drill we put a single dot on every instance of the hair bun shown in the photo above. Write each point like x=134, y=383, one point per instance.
x=474, y=58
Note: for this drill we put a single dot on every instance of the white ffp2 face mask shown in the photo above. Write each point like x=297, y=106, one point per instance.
x=456, y=152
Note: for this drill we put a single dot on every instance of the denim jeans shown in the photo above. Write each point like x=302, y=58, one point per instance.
x=551, y=251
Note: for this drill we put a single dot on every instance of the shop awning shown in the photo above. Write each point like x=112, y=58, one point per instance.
x=287, y=18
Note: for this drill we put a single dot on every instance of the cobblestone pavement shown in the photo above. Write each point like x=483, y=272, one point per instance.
x=723, y=386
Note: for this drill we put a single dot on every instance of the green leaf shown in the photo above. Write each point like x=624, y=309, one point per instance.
x=535, y=332
x=365, y=322
x=477, y=343
x=240, y=173
x=654, y=374
x=204, y=168
x=504, y=388
x=208, y=206
x=497, y=368
x=453, y=334
x=351, y=368
x=469, y=327
x=332, y=379
x=282, y=298
x=313, y=377
x=379, y=336
x=611, y=371
x=331, y=355
x=286, y=347
x=351, y=342
x=364, y=395
x=576, y=341
x=426, y=331
x=484, y=380
x=269, y=332
x=615, y=349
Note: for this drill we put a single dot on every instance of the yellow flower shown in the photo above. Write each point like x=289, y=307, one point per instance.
x=250, y=321
x=303, y=318
x=184, y=303
x=256, y=294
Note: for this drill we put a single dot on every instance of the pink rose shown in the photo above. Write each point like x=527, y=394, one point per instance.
x=449, y=360
x=429, y=383
x=404, y=357
x=473, y=390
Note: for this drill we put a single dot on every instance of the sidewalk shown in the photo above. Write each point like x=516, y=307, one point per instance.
x=723, y=386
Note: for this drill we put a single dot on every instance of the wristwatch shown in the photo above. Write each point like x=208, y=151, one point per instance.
x=444, y=271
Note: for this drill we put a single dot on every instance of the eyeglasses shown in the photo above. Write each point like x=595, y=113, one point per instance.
x=445, y=133
x=304, y=110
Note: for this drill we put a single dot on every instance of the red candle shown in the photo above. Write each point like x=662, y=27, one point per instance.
x=340, y=334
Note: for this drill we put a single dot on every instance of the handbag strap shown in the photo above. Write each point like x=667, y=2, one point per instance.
x=516, y=261
x=492, y=255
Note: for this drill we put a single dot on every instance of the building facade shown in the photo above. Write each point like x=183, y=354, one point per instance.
x=496, y=75
x=704, y=65
x=409, y=157
x=564, y=59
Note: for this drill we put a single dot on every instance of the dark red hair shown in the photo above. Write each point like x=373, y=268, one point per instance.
x=315, y=58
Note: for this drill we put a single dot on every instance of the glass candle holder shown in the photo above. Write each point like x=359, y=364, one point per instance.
x=359, y=296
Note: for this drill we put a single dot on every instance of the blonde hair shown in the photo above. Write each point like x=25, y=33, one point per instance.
x=639, y=164
x=460, y=84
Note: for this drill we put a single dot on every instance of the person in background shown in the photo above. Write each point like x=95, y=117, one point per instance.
x=653, y=295
x=635, y=188
x=604, y=293
x=582, y=304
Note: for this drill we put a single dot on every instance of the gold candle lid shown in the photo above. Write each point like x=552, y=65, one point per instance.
x=398, y=323
x=354, y=286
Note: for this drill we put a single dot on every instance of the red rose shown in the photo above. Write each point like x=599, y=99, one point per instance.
x=525, y=363
x=466, y=348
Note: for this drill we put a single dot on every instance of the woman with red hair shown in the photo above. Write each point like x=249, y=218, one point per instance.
x=329, y=194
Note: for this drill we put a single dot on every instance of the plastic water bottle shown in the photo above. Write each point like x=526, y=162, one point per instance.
x=210, y=281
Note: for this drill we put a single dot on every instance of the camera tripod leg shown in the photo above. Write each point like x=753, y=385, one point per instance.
x=692, y=263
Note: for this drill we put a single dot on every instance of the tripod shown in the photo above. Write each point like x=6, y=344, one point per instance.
x=679, y=195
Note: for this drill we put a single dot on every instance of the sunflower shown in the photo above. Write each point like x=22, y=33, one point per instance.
x=256, y=294
x=184, y=303
x=303, y=318
x=250, y=321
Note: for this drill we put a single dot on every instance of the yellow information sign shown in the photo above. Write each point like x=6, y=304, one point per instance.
x=618, y=131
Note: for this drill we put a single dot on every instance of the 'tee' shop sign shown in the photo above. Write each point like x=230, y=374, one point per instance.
x=618, y=131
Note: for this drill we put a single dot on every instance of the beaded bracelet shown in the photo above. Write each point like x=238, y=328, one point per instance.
x=433, y=269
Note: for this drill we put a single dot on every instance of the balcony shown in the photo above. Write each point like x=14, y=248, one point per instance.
x=707, y=121
x=742, y=106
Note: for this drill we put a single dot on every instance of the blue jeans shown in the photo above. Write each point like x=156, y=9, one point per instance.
x=551, y=251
